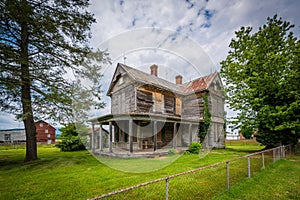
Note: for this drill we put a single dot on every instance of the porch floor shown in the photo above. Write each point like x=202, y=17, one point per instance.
x=145, y=153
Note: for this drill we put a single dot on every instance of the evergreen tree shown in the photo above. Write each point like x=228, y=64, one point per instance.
x=42, y=43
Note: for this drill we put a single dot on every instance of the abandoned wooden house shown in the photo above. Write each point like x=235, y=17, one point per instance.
x=149, y=113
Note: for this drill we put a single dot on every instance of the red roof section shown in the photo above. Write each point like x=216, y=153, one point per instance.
x=199, y=84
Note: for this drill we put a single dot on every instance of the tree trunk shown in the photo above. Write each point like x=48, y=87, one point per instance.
x=31, y=147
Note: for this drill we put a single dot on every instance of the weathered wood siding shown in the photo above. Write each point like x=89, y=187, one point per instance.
x=153, y=100
x=192, y=106
x=216, y=98
x=123, y=96
x=144, y=101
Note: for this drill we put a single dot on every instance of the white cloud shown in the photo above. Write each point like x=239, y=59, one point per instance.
x=210, y=24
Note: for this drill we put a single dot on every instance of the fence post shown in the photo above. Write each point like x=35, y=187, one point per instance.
x=227, y=175
x=274, y=155
x=249, y=171
x=283, y=151
x=167, y=188
x=263, y=160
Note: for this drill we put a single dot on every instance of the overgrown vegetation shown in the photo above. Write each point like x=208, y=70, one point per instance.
x=204, y=126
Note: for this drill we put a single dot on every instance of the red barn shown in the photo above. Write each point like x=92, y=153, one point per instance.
x=45, y=133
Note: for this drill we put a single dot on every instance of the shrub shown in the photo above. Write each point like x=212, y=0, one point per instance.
x=171, y=151
x=70, y=139
x=70, y=143
x=195, y=147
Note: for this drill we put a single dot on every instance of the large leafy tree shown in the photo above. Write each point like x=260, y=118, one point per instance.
x=43, y=49
x=262, y=73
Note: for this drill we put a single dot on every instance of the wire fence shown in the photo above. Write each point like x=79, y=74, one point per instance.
x=205, y=182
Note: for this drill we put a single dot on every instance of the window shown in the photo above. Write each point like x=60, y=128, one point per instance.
x=7, y=137
x=41, y=124
x=121, y=80
x=46, y=130
x=48, y=135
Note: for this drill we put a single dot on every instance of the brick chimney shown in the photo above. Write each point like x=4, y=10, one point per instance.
x=153, y=69
x=178, y=79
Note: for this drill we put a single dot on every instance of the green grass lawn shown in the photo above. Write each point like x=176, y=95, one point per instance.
x=280, y=180
x=78, y=175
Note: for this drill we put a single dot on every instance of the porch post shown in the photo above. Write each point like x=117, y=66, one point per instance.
x=174, y=135
x=190, y=133
x=110, y=137
x=130, y=136
x=100, y=137
x=96, y=139
x=155, y=135
x=138, y=135
x=93, y=139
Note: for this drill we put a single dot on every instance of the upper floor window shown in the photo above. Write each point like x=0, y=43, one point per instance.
x=41, y=124
x=121, y=80
x=7, y=137
x=46, y=130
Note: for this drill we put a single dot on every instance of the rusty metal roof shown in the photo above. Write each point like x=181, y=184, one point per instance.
x=199, y=84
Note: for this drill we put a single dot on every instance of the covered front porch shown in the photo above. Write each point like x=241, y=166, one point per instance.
x=141, y=134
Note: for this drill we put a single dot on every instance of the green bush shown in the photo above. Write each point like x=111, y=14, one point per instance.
x=171, y=151
x=71, y=143
x=195, y=147
x=70, y=139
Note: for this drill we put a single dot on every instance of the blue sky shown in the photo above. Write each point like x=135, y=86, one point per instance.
x=204, y=27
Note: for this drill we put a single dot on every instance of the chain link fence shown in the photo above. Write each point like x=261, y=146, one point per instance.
x=205, y=182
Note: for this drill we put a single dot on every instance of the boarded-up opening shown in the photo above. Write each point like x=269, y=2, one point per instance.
x=169, y=104
x=158, y=106
x=144, y=101
x=178, y=106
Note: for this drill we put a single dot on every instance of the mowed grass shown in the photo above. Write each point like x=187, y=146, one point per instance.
x=79, y=175
x=280, y=180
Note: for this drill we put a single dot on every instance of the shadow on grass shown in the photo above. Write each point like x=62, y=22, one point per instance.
x=49, y=160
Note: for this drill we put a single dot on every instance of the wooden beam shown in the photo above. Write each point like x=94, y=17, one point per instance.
x=110, y=137
x=155, y=135
x=174, y=135
x=190, y=133
x=100, y=137
x=93, y=138
x=130, y=136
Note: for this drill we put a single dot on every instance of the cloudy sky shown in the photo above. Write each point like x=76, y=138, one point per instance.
x=183, y=37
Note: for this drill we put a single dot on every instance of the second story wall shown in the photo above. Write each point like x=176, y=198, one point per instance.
x=193, y=106
x=217, y=98
x=122, y=97
x=153, y=100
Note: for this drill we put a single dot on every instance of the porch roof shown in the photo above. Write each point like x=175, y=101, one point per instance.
x=145, y=117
